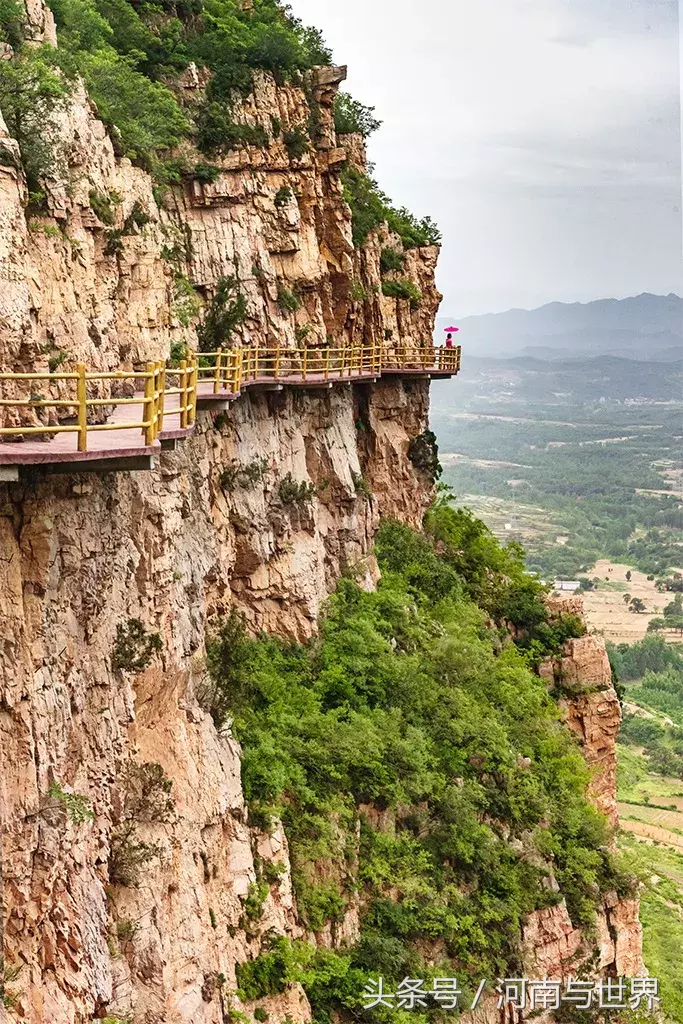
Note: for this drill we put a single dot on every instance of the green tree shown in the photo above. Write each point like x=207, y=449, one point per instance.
x=12, y=22
x=637, y=605
x=225, y=311
x=412, y=708
x=32, y=92
x=674, y=607
x=144, y=116
x=370, y=208
x=352, y=116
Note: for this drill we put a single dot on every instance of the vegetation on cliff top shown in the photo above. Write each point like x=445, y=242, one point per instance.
x=129, y=56
x=418, y=764
x=370, y=208
x=350, y=116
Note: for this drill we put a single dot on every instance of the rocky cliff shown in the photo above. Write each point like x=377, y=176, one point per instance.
x=592, y=711
x=83, y=556
x=177, y=547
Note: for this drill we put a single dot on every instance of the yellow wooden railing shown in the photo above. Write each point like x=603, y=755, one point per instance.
x=230, y=369
x=151, y=400
x=222, y=373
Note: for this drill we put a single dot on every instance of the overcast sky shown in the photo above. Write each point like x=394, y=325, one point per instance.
x=542, y=135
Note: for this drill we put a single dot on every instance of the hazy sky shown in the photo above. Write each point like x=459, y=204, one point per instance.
x=542, y=135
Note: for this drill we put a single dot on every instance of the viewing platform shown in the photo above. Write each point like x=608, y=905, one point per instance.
x=123, y=419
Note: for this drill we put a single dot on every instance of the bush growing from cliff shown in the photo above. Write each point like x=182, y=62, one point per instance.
x=402, y=289
x=32, y=93
x=224, y=313
x=272, y=971
x=218, y=132
x=8, y=975
x=350, y=116
x=145, y=798
x=78, y=807
x=370, y=208
x=244, y=474
x=391, y=259
x=12, y=23
x=287, y=300
x=186, y=306
x=423, y=452
x=283, y=196
x=229, y=662
x=134, y=646
x=144, y=116
x=296, y=143
x=296, y=492
x=357, y=291
x=412, y=705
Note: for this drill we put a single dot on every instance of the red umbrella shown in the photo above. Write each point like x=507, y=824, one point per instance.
x=451, y=330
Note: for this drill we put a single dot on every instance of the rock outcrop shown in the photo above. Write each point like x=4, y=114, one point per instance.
x=592, y=711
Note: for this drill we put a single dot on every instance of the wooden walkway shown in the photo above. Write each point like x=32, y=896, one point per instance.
x=124, y=442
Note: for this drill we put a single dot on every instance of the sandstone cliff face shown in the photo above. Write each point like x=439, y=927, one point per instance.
x=176, y=548
x=63, y=292
x=592, y=711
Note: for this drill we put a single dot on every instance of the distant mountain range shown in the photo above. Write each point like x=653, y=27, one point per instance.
x=643, y=327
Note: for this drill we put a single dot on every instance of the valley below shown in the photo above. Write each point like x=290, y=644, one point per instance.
x=581, y=463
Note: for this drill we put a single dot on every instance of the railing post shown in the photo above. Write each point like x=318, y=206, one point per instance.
x=182, y=385
x=162, y=396
x=327, y=363
x=194, y=379
x=149, y=411
x=230, y=374
x=81, y=395
x=239, y=370
x=304, y=365
x=217, y=374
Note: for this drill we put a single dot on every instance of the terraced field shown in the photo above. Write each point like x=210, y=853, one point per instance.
x=651, y=842
x=606, y=610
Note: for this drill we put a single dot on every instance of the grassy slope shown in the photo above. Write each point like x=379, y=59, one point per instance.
x=662, y=916
x=661, y=871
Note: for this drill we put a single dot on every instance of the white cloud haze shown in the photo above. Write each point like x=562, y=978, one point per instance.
x=542, y=135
